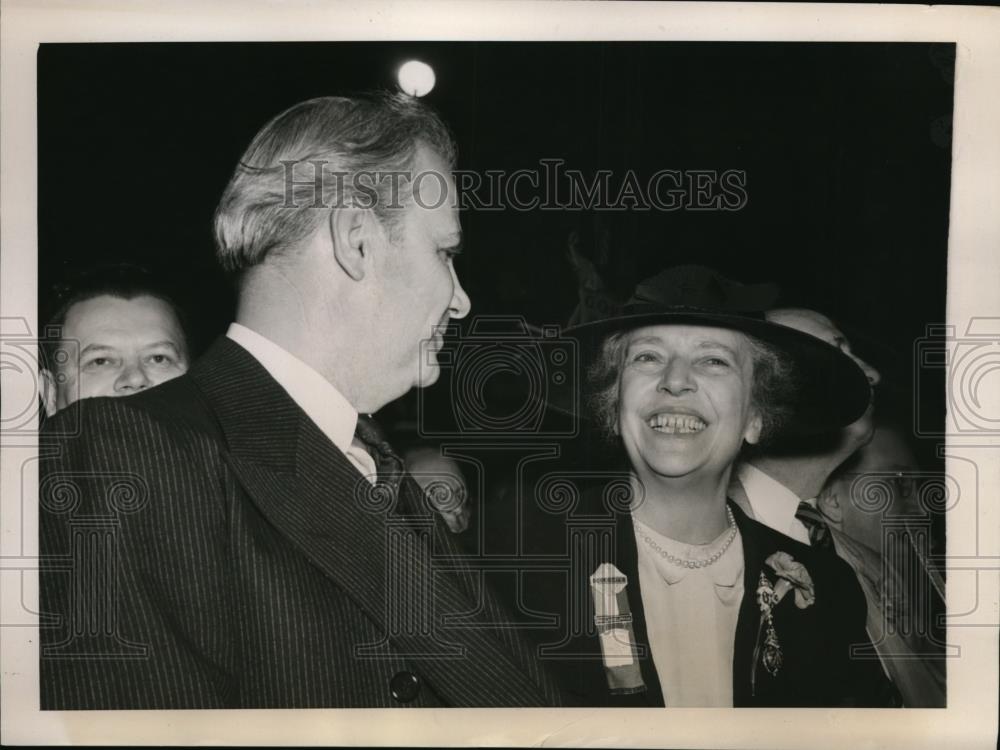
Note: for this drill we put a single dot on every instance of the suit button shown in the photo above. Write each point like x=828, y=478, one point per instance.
x=404, y=686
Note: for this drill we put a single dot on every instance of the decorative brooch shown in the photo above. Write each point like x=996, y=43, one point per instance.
x=792, y=575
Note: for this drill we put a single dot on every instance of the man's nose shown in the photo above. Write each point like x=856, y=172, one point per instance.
x=676, y=377
x=132, y=378
x=460, y=302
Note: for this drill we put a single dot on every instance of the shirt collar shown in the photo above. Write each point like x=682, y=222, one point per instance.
x=772, y=502
x=314, y=394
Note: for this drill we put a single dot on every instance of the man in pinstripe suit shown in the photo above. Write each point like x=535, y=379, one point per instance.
x=240, y=536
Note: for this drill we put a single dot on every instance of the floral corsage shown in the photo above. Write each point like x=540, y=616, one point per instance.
x=792, y=575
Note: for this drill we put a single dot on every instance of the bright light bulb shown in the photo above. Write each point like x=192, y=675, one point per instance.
x=416, y=78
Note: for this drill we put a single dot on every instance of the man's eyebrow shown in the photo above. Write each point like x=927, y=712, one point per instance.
x=165, y=342
x=96, y=348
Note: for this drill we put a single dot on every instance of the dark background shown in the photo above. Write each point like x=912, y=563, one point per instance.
x=846, y=148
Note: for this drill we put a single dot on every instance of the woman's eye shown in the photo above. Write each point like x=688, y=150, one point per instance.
x=645, y=357
x=716, y=362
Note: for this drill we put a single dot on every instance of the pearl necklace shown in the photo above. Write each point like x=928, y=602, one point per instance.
x=692, y=564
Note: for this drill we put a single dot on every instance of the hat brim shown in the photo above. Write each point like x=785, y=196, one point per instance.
x=831, y=390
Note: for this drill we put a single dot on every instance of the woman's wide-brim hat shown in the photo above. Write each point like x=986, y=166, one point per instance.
x=831, y=390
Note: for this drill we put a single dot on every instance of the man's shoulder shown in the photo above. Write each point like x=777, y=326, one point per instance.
x=161, y=447
x=180, y=403
x=177, y=406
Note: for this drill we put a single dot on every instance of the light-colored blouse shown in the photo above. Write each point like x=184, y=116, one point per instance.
x=691, y=616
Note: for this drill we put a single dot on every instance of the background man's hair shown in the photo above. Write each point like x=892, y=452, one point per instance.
x=284, y=186
x=121, y=280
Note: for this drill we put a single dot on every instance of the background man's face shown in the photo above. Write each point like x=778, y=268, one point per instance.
x=125, y=346
x=442, y=482
x=820, y=326
x=420, y=289
x=815, y=324
x=886, y=464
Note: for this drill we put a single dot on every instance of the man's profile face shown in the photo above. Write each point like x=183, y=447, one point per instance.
x=420, y=291
x=124, y=345
x=885, y=465
x=820, y=326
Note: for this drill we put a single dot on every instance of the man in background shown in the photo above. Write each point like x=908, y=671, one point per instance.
x=878, y=524
x=788, y=487
x=115, y=334
x=441, y=479
x=779, y=485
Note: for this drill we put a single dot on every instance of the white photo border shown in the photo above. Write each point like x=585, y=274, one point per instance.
x=973, y=276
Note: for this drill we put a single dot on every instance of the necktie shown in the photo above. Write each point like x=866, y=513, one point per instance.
x=812, y=519
x=387, y=462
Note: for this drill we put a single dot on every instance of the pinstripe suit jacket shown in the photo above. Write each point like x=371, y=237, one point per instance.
x=206, y=546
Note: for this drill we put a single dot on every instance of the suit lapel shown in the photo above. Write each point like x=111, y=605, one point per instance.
x=748, y=624
x=316, y=506
x=298, y=480
x=379, y=555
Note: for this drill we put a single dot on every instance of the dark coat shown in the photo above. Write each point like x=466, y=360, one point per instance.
x=816, y=642
x=206, y=546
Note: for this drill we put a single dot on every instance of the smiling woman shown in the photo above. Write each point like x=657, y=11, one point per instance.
x=772, y=391
x=685, y=399
x=690, y=605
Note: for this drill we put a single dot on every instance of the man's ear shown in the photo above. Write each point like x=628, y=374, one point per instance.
x=753, y=430
x=349, y=233
x=47, y=391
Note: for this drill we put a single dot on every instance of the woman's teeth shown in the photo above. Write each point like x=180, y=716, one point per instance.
x=677, y=423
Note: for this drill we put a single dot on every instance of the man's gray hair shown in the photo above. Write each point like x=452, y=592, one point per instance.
x=307, y=160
